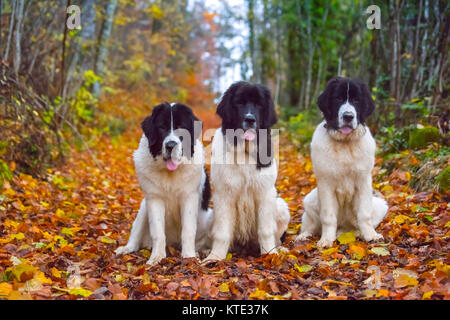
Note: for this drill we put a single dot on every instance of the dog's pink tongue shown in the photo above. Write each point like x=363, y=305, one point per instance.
x=171, y=165
x=345, y=130
x=249, y=135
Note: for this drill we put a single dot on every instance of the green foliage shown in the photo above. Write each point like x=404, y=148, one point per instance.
x=84, y=101
x=5, y=173
x=421, y=137
x=393, y=140
x=443, y=180
x=301, y=128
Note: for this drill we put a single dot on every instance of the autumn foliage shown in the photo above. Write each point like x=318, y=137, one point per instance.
x=57, y=238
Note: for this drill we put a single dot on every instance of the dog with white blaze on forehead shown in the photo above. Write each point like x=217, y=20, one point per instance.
x=247, y=210
x=343, y=156
x=169, y=164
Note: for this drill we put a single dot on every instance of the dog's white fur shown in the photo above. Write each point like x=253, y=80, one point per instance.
x=343, y=199
x=170, y=212
x=246, y=206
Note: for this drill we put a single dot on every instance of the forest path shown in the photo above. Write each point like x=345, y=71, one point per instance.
x=57, y=240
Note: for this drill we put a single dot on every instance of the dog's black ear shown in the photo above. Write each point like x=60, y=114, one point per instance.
x=225, y=107
x=324, y=99
x=271, y=115
x=367, y=103
x=149, y=128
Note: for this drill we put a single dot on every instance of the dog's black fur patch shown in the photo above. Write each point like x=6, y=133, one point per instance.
x=206, y=195
x=335, y=95
x=242, y=98
x=157, y=126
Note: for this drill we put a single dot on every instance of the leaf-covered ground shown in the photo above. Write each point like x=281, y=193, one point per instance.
x=57, y=238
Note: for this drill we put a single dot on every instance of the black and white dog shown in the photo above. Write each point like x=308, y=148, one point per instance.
x=247, y=209
x=169, y=164
x=343, y=156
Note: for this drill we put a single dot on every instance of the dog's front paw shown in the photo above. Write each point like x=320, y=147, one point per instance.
x=325, y=243
x=280, y=250
x=155, y=258
x=124, y=250
x=211, y=258
x=188, y=255
x=302, y=236
x=372, y=236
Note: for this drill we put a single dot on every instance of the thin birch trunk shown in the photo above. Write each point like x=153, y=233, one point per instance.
x=17, y=37
x=10, y=32
x=103, y=43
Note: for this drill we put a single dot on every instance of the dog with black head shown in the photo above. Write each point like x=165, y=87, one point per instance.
x=169, y=164
x=343, y=156
x=243, y=174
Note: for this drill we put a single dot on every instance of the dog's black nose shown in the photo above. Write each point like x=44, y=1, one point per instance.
x=348, y=116
x=250, y=119
x=170, y=145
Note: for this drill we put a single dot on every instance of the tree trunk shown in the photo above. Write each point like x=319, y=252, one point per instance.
x=251, y=39
x=17, y=36
x=63, y=55
x=103, y=43
x=11, y=28
x=398, y=76
x=415, y=52
x=443, y=50
x=88, y=15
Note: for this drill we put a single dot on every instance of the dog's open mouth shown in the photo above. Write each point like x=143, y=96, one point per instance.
x=250, y=135
x=346, y=130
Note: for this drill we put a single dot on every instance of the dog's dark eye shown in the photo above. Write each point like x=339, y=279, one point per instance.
x=181, y=138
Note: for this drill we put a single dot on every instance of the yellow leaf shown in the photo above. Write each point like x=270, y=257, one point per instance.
x=304, y=268
x=357, y=251
x=107, y=240
x=408, y=175
x=18, y=236
x=308, y=165
x=80, y=292
x=258, y=294
x=339, y=282
x=41, y=278
x=401, y=218
x=224, y=287
x=56, y=273
x=229, y=256
x=119, y=277
x=329, y=252
x=404, y=278
x=370, y=293
x=60, y=213
x=347, y=237
x=10, y=223
x=382, y=293
x=23, y=271
x=67, y=231
x=9, y=193
x=427, y=295
x=45, y=204
x=156, y=11
x=17, y=295
x=5, y=289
